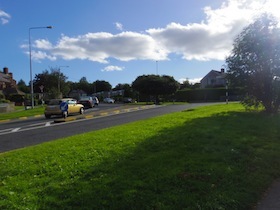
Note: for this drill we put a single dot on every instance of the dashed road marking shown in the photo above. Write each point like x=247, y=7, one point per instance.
x=15, y=129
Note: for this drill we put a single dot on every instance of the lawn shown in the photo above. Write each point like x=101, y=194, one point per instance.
x=214, y=157
x=21, y=112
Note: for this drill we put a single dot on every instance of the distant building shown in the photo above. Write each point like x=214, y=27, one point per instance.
x=7, y=80
x=8, y=87
x=77, y=94
x=214, y=79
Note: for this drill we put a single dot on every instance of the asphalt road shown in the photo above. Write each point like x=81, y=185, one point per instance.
x=31, y=132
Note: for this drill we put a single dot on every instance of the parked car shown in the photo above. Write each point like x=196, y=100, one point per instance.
x=87, y=101
x=63, y=107
x=127, y=100
x=109, y=100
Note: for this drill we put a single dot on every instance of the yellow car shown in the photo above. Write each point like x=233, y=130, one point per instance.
x=63, y=107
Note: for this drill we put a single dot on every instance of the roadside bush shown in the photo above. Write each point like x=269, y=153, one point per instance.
x=4, y=101
x=16, y=98
x=2, y=96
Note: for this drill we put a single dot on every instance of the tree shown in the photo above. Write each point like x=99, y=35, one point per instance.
x=101, y=85
x=155, y=85
x=185, y=85
x=254, y=63
x=54, y=83
x=128, y=92
x=22, y=86
x=84, y=85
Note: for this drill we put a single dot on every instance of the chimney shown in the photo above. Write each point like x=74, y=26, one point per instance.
x=5, y=70
x=223, y=70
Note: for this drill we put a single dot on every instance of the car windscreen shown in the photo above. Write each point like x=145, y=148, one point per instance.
x=85, y=99
x=55, y=102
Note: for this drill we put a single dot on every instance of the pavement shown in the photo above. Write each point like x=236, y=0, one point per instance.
x=271, y=198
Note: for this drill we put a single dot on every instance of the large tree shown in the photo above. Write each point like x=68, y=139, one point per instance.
x=101, y=85
x=128, y=92
x=53, y=83
x=23, y=87
x=155, y=85
x=84, y=85
x=254, y=63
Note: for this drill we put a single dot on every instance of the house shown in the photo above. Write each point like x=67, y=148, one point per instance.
x=6, y=79
x=8, y=87
x=214, y=79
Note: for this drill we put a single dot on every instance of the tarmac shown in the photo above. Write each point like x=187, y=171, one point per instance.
x=271, y=198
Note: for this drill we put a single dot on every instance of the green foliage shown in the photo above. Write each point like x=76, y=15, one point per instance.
x=251, y=103
x=208, y=94
x=2, y=96
x=216, y=157
x=128, y=91
x=16, y=98
x=53, y=82
x=155, y=85
x=101, y=85
x=2, y=100
x=22, y=86
x=255, y=62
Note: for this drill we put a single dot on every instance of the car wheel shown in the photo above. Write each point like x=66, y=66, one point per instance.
x=82, y=111
x=47, y=116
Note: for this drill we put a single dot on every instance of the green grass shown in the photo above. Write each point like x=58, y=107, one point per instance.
x=21, y=112
x=215, y=157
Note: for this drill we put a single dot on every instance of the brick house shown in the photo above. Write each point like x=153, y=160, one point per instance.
x=7, y=80
x=8, y=87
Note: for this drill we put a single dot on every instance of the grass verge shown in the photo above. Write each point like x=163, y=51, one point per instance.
x=21, y=112
x=216, y=157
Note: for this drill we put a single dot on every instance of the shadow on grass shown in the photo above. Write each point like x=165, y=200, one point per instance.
x=220, y=162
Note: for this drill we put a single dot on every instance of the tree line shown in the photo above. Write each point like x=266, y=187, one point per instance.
x=253, y=65
x=54, y=83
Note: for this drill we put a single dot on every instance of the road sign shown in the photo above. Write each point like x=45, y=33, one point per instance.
x=64, y=106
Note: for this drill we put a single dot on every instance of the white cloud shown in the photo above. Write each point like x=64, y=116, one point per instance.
x=40, y=55
x=195, y=80
x=99, y=47
x=119, y=26
x=43, y=44
x=211, y=39
x=5, y=17
x=113, y=68
x=191, y=81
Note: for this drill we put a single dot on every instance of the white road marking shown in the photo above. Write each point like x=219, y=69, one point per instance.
x=15, y=129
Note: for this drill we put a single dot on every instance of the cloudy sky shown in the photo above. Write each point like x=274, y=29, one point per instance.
x=117, y=41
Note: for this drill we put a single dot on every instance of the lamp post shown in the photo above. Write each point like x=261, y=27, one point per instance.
x=30, y=64
x=157, y=67
x=58, y=84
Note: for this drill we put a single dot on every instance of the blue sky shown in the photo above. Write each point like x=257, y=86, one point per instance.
x=117, y=41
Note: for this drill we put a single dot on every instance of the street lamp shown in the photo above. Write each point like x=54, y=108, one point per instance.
x=58, y=84
x=30, y=64
x=157, y=67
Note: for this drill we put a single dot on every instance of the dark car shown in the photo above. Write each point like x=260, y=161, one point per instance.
x=127, y=100
x=109, y=100
x=87, y=101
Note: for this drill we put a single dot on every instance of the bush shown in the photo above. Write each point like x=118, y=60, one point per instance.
x=207, y=94
x=4, y=101
x=16, y=98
